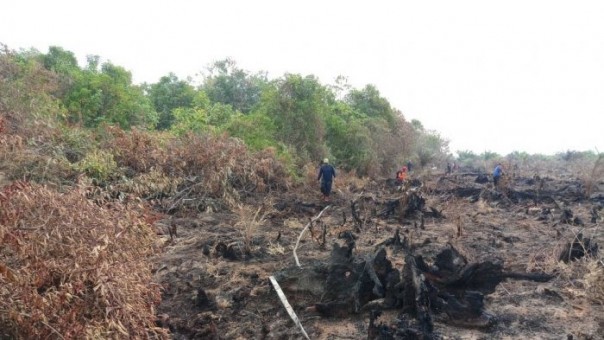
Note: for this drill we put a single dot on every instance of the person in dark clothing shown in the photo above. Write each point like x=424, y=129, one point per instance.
x=327, y=175
x=409, y=166
x=497, y=173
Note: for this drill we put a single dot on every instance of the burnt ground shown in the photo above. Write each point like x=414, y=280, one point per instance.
x=215, y=271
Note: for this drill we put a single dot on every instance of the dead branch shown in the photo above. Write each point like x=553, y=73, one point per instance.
x=303, y=231
x=286, y=304
x=180, y=196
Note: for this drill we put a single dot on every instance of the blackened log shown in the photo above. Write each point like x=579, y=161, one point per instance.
x=452, y=272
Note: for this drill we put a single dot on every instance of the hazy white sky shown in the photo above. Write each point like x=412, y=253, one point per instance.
x=488, y=75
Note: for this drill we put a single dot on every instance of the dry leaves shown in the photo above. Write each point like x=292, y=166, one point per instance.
x=70, y=268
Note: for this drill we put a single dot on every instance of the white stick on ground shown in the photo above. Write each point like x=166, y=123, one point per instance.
x=303, y=231
x=287, y=306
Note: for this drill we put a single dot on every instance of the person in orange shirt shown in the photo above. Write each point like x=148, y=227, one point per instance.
x=401, y=175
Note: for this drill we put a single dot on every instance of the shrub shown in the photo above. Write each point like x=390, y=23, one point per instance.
x=222, y=167
x=72, y=269
x=139, y=151
x=98, y=164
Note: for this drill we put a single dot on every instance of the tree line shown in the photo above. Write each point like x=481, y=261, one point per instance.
x=299, y=117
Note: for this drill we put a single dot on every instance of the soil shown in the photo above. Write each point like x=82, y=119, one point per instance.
x=215, y=271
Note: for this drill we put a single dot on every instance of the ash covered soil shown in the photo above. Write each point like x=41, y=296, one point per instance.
x=215, y=271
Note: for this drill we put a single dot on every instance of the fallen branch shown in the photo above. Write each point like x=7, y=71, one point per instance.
x=286, y=304
x=303, y=231
x=180, y=196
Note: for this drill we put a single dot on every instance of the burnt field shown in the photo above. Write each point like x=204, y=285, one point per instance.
x=439, y=257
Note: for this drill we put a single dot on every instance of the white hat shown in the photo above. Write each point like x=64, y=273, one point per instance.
x=325, y=160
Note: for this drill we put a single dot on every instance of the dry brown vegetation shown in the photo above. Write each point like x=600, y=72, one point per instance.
x=73, y=269
x=76, y=231
x=194, y=172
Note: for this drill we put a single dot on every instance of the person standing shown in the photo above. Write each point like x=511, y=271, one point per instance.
x=401, y=175
x=497, y=173
x=409, y=166
x=327, y=174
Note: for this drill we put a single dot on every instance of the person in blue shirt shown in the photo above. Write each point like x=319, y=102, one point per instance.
x=497, y=173
x=327, y=174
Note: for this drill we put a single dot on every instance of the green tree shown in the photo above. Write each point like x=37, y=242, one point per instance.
x=189, y=119
x=350, y=142
x=257, y=130
x=108, y=96
x=60, y=61
x=431, y=147
x=417, y=125
x=219, y=115
x=231, y=85
x=466, y=156
x=297, y=105
x=369, y=102
x=203, y=116
x=168, y=94
x=489, y=155
x=27, y=89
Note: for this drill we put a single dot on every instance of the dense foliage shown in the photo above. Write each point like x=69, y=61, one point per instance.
x=301, y=118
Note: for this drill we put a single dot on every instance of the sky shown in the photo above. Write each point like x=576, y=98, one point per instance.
x=498, y=76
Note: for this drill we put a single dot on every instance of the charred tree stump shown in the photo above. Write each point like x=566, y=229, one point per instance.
x=595, y=216
x=449, y=286
x=578, y=248
x=482, y=178
x=350, y=285
x=390, y=208
x=566, y=216
x=355, y=215
x=435, y=213
x=203, y=301
x=410, y=204
x=377, y=331
x=415, y=203
x=416, y=296
x=395, y=242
